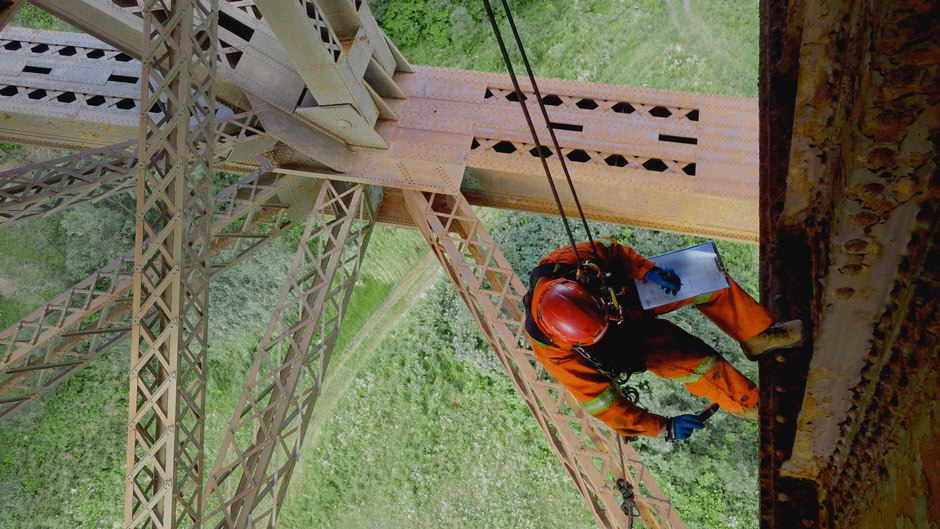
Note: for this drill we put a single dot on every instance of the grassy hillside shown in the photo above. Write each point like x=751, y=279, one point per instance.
x=417, y=427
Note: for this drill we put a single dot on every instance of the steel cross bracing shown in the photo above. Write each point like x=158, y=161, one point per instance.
x=493, y=293
x=46, y=187
x=262, y=444
x=53, y=342
x=664, y=160
x=169, y=326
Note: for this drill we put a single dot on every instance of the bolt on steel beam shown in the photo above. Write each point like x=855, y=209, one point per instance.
x=493, y=293
x=171, y=274
x=268, y=425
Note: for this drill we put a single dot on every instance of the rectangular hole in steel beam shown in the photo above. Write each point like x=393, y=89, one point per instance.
x=678, y=139
x=37, y=69
x=235, y=26
x=566, y=126
x=122, y=79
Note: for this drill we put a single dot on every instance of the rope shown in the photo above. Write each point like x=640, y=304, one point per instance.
x=535, y=136
x=548, y=123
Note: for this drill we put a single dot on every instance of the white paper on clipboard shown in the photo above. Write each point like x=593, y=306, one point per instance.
x=700, y=270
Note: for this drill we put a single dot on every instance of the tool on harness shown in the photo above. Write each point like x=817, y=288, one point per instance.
x=628, y=502
x=628, y=505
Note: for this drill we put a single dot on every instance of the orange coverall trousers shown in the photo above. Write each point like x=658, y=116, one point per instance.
x=676, y=354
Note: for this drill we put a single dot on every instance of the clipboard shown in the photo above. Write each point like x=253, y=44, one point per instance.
x=700, y=269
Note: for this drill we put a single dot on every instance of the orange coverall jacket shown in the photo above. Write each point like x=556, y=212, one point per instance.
x=669, y=351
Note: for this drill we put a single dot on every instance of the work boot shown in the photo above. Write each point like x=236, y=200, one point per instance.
x=750, y=414
x=781, y=335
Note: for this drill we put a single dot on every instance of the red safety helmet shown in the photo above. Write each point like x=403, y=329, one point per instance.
x=566, y=312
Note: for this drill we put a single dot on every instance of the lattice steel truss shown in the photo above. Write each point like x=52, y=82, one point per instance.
x=329, y=107
x=171, y=278
x=493, y=293
x=87, y=320
x=92, y=175
x=263, y=440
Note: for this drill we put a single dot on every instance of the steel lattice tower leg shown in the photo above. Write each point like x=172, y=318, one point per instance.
x=170, y=307
x=263, y=440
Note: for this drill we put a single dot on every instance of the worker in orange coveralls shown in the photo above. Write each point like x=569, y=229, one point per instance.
x=569, y=325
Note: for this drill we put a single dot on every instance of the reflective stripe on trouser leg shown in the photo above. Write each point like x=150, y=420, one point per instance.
x=723, y=384
x=732, y=309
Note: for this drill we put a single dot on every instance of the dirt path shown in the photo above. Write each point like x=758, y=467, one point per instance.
x=696, y=27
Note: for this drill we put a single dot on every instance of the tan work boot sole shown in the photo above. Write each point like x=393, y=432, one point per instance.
x=751, y=414
x=783, y=335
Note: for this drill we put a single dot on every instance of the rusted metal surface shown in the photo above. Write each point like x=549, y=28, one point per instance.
x=786, y=281
x=849, y=243
x=493, y=293
x=8, y=9
x=252, y=471
x=332, y=70
x=873, y=148
x=450, y=135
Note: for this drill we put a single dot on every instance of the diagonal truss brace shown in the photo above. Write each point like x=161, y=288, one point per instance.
x=89, y=319
x=47, y=187
x=493, y=292
x=263, y=440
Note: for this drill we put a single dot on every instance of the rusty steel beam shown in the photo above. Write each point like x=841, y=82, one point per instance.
x=333, y=72
x=629, y=159
x=51, y=344
x=589, y=451
x=251, y=62
x=253, y=468
x=169, y=324
x=9, y=8
x=46, y=187
x=657, y=159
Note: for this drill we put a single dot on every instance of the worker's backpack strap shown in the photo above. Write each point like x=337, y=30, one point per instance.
x=542, y=271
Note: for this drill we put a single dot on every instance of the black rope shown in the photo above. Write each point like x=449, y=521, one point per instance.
x=548, y=123
x=528, y=119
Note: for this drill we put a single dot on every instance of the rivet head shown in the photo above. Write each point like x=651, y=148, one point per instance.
x=856, y=246
x=845, y=293
x=343, y=124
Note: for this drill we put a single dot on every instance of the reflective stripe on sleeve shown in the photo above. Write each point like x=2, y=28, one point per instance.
x=607, y=243
x=601, y=402
x=703, y=298
x=702, y=368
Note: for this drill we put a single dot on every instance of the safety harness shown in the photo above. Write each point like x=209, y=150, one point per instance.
x=617, y=373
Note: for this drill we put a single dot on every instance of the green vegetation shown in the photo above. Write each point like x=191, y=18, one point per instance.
x=706, y=47
x=30, y=16
x=417, y=426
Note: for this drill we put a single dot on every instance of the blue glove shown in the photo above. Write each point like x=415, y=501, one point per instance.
x=666, y=278
x=682, y=426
